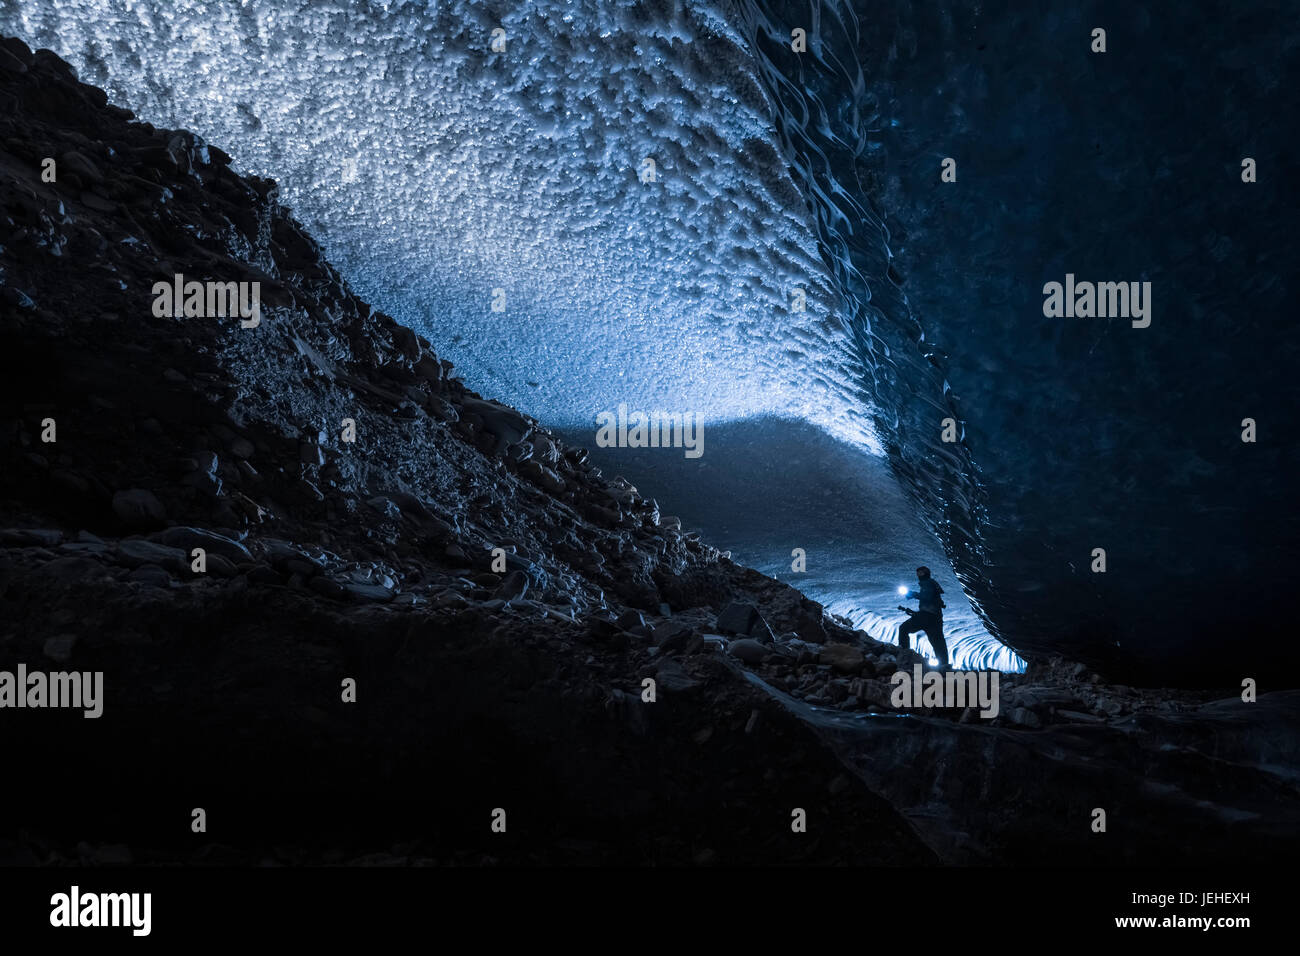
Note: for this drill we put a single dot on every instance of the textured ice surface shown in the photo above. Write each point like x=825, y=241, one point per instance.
x=436, y=171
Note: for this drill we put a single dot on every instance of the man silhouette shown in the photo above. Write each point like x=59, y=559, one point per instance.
x=929, y=618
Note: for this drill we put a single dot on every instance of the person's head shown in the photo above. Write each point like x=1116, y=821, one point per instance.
x=922, y=573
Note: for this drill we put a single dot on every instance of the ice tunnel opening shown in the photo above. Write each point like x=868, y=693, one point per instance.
x=768, y=486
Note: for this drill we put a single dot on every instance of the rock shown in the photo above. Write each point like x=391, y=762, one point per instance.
x=365, y=593
x=406, y=342
x=207, y=462
x=443, y=410
x=82, y=166
x=541, y=475
x=204, y=481
x=452, y=599
x=744, y=619
x=70, y=481
x=139, y=509
x=327, y=586
x=309, y=453
x=152, y=575
x=11, y=63
x=544, y=449
x=505, y=424
x=280, y=552
x=263, y=574
x=187, y=539
x=242, y=448
x=84, y=547
x=17, y=48
x=135, y=553
x=513, y=587
x=1024, y=717
x=59, y=647
x=97, y=202
x=671, y=636
x=305, y=568
x=876, y=693
x=386, y=507
x=28, y=537
x=73, y=569
x=906, y=658
x=429, y=369
x=111, y=854
x=672, y=677
x=630, y=619
x=748, y=650
x=844, y=658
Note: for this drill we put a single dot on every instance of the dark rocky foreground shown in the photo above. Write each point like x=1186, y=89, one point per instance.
x=519, y=688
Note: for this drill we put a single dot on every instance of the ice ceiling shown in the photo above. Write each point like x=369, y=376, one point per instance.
x=437, y=171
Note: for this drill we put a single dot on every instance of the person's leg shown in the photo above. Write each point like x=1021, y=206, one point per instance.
x=935, y=633
x=905, y=630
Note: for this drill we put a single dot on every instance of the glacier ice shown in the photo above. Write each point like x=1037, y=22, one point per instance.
x=437, y=171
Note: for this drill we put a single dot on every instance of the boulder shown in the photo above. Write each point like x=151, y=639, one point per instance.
x=366, y=593
x=671, y=636
x=748, y=650
x=29, y=537
x=540, y=475
x=745, y=620
x=672, y=677
x=630, y=619
x=59, y=647
x=1024, y=717
x=152, y=575
x=512, y=588
x=843, y=658
x=187, y=539
x=135, y=553
x=505, y=424
x=139, y=509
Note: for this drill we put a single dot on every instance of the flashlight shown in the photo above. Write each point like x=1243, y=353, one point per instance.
x=901, y=589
